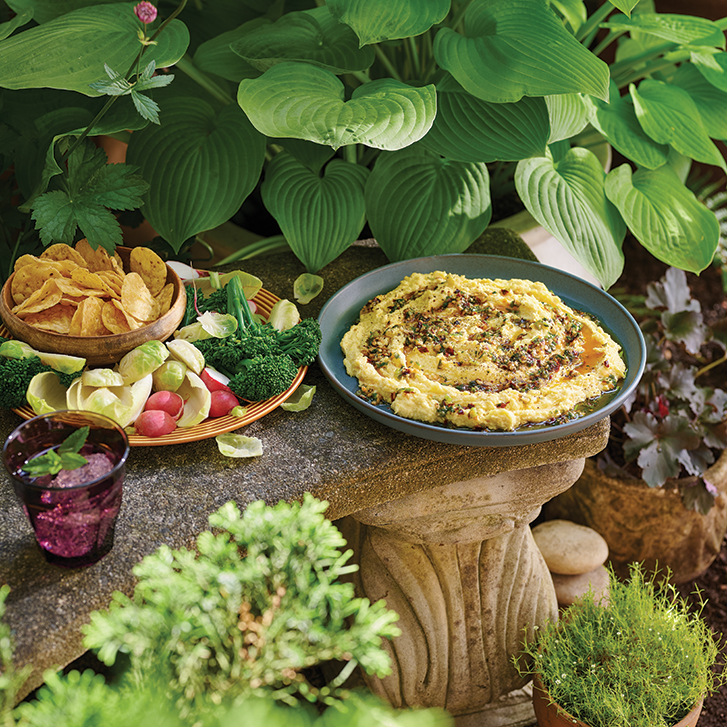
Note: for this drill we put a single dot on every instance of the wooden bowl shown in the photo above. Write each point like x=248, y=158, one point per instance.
x=97, y=350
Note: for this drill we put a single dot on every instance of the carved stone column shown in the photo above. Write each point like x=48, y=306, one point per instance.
x=460, y=566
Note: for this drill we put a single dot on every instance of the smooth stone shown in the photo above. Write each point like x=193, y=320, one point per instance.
x=570, y=549
x=570, y=588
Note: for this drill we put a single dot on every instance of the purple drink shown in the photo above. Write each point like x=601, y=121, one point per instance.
x=73, y=513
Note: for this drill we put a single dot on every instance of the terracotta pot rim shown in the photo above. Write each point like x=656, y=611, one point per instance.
x=689, y=719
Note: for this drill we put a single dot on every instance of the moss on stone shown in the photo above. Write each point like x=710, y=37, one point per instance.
x=501, y=241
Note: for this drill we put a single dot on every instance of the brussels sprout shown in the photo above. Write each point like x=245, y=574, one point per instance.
x=197, y=400
x=143, y=360
x=169, y=376
x=102, y=377
x=283, y=315
x=188, y=353
x=46, y=393
x=59, y=361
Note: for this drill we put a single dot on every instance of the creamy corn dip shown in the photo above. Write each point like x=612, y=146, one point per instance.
x=483, y=354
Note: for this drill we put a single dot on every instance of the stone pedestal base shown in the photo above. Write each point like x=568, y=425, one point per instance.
x=458, y=563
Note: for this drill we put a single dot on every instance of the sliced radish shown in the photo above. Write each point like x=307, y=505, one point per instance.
x=214, y=380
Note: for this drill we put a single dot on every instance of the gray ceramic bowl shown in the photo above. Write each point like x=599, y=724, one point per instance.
x=342, y=311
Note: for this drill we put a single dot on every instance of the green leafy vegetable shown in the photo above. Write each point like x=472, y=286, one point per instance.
x=91, y=189
x=16, y=375
x=63, y=457
x=236, y=445
x=301, y=399
x=306, y=287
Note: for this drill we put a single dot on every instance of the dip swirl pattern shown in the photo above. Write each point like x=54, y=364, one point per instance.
x=479, y=353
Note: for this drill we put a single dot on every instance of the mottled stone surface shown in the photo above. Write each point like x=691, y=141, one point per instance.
x=569, y=588
x=331, y=450
x=569, y=548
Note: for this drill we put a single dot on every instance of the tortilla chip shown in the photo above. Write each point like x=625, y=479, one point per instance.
x=55, y=320
x=30, y=278
x=151, y=268
x=61, y=251
x=136, y=298
x=97, y=259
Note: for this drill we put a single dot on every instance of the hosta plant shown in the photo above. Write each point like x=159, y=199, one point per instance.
x=386, y=113
x=669, y=431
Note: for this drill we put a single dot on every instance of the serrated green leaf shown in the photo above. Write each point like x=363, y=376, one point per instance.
x=200, y=166
x=713, y=66
x=147, y=107
x=313, y=36
x=711, y=102
x=568, y=115
x=669, y=116
x=664, y=216
x=374, y=21
x=320, y=216
x=63, y=53
x=147, y=80
x=117, y=85
x=681, y=29
x=74, y=441
x=618, y=123
x=468, y=129
x=418, y=203
x=300, y=101
x=54, y=217
x=567, y=198
x=99, y=226
x=516, y=48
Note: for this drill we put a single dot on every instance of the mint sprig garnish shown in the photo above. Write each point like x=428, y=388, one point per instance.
x=64, y=457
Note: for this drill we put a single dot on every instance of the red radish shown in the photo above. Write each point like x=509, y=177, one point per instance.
x=214, y=380
x=154, y=423
x=168, y=401
x=223, y=401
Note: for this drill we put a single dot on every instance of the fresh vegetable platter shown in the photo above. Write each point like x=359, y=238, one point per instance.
x=251, y=324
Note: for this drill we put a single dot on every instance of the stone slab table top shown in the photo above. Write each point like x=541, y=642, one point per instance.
x=330, y=450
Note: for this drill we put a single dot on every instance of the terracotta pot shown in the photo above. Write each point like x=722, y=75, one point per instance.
x=550, y=714
x=645, y=524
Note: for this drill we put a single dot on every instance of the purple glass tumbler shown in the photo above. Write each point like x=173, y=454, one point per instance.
x=73, y=514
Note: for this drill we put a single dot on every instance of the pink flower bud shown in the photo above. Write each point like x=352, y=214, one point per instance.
x=146, y=12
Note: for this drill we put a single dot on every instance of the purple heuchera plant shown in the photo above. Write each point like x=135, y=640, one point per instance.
x=671, y=426
x=146, y=12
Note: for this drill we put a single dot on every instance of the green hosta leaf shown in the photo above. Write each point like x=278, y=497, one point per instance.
x=216, y=55
x=574, y=12
x=567, y=198
x=312, y=36
x=376, y=20
x=92, y=188
x=200, y=166
x=568, y=115
x=664, y=216
x=18, y=21
x=420, y=204
x=711, y=102
x=713, y=66
x=468, y=129
x=516, y=48
x=314, y=156
x=681, y=29
x=618, y=123
x=669, y=116
x=45, y=10
x=625, y=6
x=300, y=101
x=64, y=53
x=319, y=216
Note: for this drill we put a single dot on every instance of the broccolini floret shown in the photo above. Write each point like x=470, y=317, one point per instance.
x=224, y=354
x=302, y=341
x=261, y=378
x=15, y=376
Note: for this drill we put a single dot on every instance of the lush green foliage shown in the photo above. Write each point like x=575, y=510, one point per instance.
x=11, y=679
x=672, y=425
x=390, y=113
x=643, y=659
x=257, y=603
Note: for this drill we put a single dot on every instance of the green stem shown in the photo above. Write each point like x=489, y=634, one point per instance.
x=415, y=59
x=610, y=38
x=350, y=152
x=387, y=63
x=646, y=57
x=186, y=65
x=459, y=14
x=261, y=247
x=362, y=76
x=710, y=366
x=593, y=22
x=649, y=69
